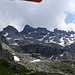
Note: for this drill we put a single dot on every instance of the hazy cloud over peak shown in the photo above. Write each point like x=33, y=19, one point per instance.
x=49, y=13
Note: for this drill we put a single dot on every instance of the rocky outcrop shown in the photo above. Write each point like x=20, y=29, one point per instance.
x=44, y=50
x=4, y=52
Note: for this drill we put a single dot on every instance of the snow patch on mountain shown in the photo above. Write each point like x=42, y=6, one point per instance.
x=6, y=34
x=41, y=39
x=28, y=37
x=61, y=41
x=61, y=55
x=16, y=59
x=51, y=57
x=15, y=44
x=8, y=38
x=35, y=31
x=35, y=60
x=69, y=41
x=18, y=39
x=29, y=33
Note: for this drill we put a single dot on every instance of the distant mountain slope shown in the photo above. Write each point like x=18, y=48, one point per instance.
x=31, y=40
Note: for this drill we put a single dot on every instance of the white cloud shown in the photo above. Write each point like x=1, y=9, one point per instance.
x=48, y=13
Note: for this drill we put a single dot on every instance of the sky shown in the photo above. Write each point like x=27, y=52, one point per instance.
x=49, y=14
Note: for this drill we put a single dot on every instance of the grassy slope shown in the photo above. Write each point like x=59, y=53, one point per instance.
x=67, y=67
x=5, y=70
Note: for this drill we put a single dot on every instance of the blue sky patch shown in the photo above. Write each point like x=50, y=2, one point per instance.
x=70, y=18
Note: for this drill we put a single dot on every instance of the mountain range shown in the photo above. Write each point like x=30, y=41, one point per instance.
x=60, y=37
x=41, y=41
x=36, y=48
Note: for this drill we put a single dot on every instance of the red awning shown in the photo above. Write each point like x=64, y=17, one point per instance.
x=34, y=0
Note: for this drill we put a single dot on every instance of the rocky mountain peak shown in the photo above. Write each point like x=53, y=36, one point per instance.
x=27, y=29
x=10, y=29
